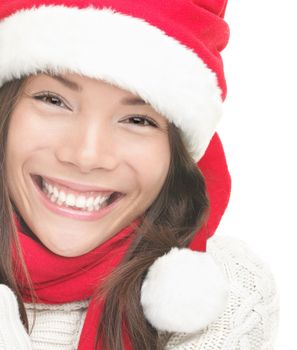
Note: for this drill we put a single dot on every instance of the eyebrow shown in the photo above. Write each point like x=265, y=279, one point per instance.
x=127, y=101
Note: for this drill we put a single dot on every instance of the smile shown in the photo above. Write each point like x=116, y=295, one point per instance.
x=82, y=206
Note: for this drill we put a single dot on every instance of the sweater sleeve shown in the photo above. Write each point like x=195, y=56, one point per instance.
x=13, y=335
x=250, y=320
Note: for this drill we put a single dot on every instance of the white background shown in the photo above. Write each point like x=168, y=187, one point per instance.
x=258, y=132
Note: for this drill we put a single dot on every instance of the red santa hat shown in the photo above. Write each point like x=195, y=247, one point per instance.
x=168, y=53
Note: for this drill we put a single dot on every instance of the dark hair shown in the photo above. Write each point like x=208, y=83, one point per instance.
x=180, y=209
x=9, y=95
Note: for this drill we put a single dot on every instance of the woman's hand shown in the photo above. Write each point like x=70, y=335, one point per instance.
x=13, y=335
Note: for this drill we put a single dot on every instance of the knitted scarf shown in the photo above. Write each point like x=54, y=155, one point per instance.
x=58, y=279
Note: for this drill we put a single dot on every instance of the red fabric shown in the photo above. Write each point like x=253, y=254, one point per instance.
x=197, y=24
x=60, y=279
x=213, y=166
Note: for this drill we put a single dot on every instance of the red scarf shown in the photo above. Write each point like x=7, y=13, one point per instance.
x=59, y=280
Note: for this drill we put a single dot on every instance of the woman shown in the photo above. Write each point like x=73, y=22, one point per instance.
x=113, y=180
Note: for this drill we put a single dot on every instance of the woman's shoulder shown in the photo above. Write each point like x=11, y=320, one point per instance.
x=250, y=320
x=241, y=261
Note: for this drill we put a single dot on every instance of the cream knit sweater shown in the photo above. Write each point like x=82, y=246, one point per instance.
x=250, y=320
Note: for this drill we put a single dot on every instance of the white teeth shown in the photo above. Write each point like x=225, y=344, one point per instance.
x=80, y=201
x=70, y=199
x=99, y=200
x=56, y=192
x=89, y=203
x=62, y=198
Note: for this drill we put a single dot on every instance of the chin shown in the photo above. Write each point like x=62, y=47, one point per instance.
x=70, y=252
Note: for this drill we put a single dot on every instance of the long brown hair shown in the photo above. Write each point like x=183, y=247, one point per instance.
x=180, y=209
x=9, y=95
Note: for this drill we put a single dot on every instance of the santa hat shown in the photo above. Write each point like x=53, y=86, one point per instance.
x=168, y=53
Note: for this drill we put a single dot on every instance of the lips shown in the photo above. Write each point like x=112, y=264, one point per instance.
x=73, y=213
x=75, y=189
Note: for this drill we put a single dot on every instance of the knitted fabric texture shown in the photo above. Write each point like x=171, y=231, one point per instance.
x=13, y=335
x=249, y=322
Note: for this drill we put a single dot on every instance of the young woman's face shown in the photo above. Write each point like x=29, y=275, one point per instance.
x=92, y=135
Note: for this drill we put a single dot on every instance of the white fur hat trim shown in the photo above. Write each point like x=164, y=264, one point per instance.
x=184, y=291
x=135, y=56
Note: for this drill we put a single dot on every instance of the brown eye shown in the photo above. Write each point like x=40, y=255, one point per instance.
x=142, y=120
x=51, y=99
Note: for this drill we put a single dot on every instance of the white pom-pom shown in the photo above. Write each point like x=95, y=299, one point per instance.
x=184, y=291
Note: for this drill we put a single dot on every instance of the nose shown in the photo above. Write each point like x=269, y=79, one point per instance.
x=88, y=147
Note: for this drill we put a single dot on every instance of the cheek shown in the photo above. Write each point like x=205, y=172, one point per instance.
x=18, y=149
x=26, y=136
x=150, y=159
x=29, y=132
x=24, y=133
x=19, y=139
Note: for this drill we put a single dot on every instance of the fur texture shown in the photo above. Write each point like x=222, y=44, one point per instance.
x=184, y=291
x=129, y=53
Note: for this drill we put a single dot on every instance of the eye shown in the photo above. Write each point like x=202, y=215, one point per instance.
x=52, y=99
x=142, y=120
